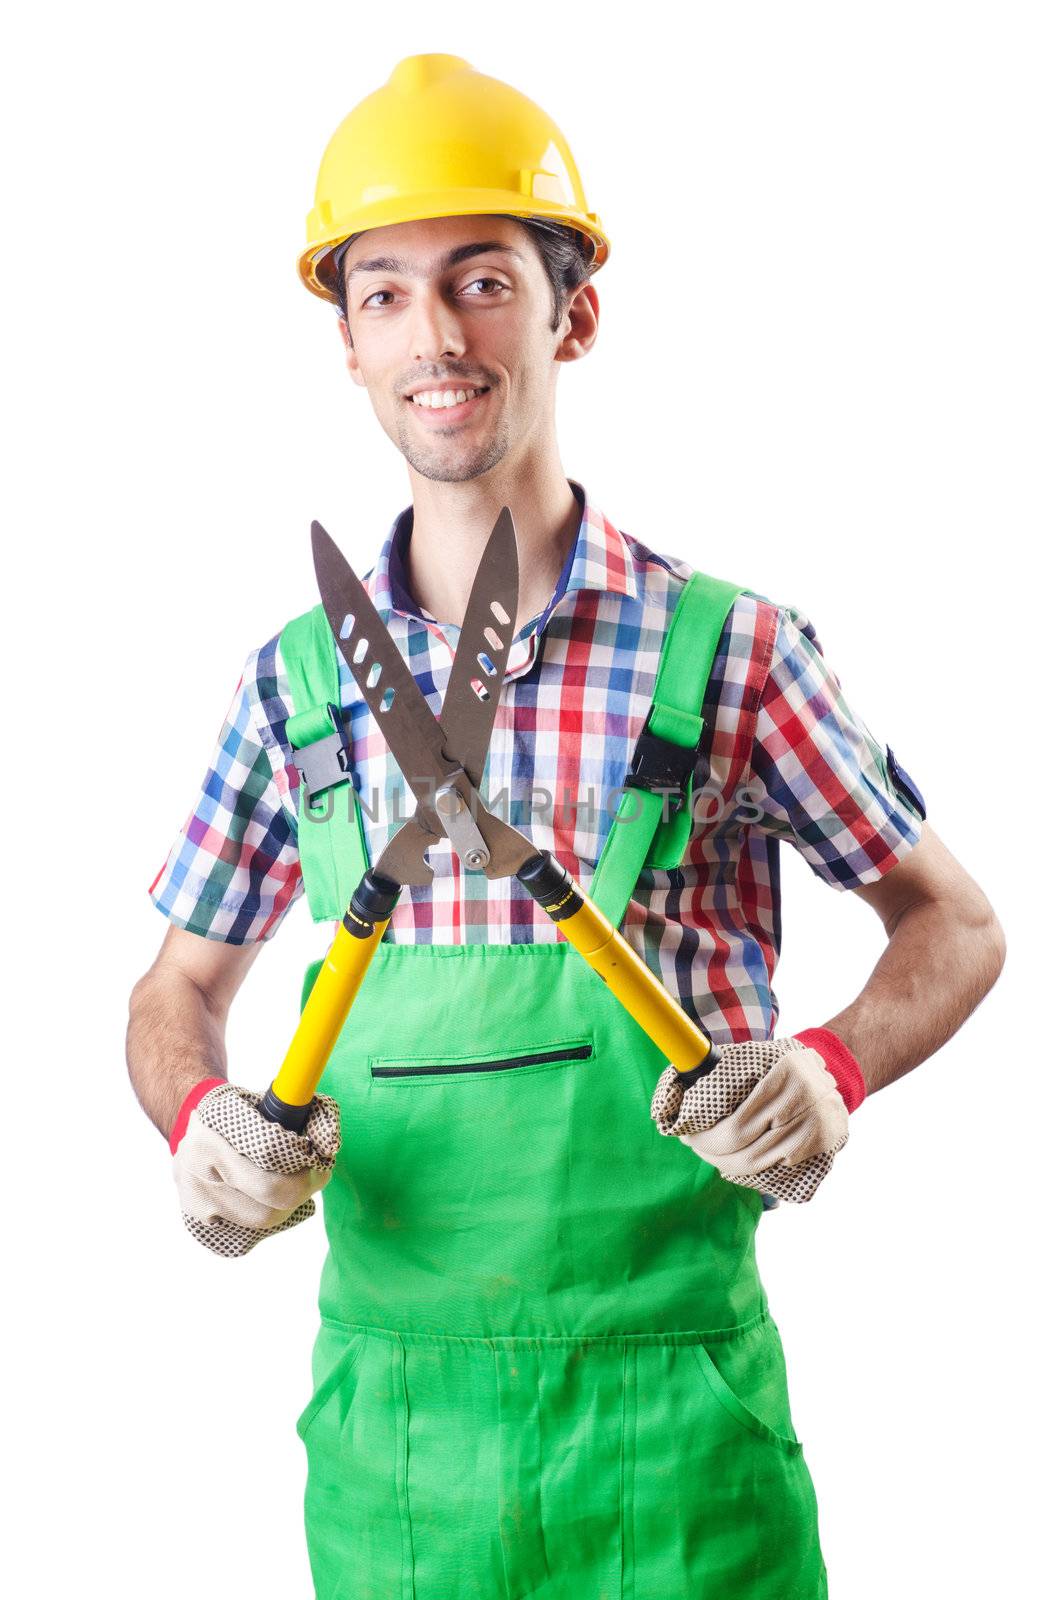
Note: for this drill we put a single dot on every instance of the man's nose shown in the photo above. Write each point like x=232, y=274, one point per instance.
x=435, y=329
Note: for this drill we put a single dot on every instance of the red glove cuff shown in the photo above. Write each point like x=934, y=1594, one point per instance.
x=840, y=1061
x=188, y=1104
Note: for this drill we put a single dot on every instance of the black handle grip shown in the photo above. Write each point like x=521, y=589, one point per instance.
x=692, y=1075
x=273, y=1109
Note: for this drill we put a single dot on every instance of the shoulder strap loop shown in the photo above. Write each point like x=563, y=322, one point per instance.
x=332, y=849
x=651, y=827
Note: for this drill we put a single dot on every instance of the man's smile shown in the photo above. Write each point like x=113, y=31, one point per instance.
x=444, y=407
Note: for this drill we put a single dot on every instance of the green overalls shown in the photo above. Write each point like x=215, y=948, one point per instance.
x=545, y=1368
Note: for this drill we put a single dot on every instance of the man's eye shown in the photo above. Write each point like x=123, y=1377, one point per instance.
x=496, y=281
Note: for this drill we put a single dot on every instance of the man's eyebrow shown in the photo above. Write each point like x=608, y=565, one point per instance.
x=452, y=259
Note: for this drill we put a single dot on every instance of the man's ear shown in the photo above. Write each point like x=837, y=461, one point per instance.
x=353, y=366
x=577, y=332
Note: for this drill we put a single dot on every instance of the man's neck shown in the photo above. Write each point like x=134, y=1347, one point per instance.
x=452, y=522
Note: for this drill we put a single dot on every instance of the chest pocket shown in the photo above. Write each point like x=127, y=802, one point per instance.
x=411, y=1069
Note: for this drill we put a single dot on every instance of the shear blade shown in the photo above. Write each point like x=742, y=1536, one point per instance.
x=432, y=751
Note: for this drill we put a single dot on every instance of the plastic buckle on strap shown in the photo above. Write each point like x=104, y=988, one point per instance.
x=661, y=764
x=326, y=762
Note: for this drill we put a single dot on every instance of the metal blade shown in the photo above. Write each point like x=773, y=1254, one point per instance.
x=473, y=691
x=402, y=714
x=424, y=748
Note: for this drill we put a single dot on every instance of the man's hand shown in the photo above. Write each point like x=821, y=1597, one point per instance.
x=241, y=1178
x=769, y=1116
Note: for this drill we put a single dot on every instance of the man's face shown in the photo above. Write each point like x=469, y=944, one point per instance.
x=420, y=320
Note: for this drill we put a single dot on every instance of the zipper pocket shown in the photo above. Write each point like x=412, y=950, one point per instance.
x=578, y=1052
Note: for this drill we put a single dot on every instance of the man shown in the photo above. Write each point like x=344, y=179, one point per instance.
x=546, y=1366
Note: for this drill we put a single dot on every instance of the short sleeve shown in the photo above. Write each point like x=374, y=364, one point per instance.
x=818, y=776
x=233, y=870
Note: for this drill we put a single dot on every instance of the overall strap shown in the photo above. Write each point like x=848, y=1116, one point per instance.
x=332, y=849
x=666, y=752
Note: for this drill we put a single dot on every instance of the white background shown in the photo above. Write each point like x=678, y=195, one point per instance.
x=827, y=368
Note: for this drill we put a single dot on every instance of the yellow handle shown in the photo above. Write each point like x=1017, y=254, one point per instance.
x=635, y=986
x=324, y=1013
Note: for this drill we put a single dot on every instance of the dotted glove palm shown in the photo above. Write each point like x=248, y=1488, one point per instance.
x=241, y=1178
x=770, y=1116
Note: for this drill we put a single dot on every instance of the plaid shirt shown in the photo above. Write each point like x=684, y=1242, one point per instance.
x=784, y=755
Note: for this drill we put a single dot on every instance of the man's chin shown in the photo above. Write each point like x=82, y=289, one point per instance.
x=450, y=463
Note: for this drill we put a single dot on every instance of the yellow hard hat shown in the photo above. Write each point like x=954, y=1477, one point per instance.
x=441, y=140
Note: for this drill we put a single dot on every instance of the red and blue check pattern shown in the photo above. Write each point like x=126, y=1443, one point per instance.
x=783, y=757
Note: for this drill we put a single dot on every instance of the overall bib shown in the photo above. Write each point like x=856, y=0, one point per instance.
x=545, y=1368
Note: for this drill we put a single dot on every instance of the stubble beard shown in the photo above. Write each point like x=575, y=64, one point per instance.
x=443, y=465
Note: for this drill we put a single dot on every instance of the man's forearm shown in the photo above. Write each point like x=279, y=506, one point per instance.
x=174, y=1039
x=934, y=972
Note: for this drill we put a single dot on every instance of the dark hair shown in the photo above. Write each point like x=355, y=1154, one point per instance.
x=566, y=256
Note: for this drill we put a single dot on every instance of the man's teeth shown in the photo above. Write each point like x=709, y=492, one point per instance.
x=436, y=398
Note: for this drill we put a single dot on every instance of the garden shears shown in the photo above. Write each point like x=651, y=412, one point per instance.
x=442, y=759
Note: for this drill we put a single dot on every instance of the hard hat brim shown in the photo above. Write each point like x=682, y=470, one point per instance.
x=316, y=266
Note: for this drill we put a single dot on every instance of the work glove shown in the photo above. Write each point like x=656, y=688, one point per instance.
x=242, y=1178
x=772, y=1115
